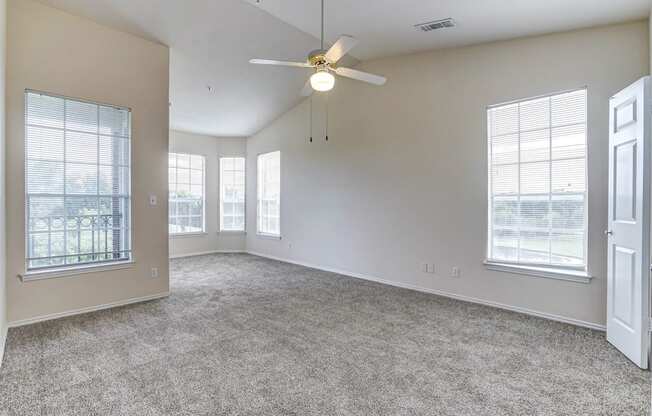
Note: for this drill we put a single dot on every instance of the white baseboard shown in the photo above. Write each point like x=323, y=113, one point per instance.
x=3, y=342
x=464, y=298
x=204, y=253
x=80, y=311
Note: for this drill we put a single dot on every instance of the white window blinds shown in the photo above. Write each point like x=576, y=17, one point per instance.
x=186, y=203
x=537, y=181
x=77, y=173
x=232, y=194
x=269, y=194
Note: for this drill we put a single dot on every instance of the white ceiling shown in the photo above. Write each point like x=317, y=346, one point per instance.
x=386, y=27
x=211, y=42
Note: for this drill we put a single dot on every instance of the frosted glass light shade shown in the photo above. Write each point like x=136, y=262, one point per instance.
x=322, y=81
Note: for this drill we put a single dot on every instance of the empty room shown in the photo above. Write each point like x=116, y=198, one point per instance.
x=325, y=207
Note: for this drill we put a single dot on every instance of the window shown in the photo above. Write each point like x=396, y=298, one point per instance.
x=269, y=194
x=186, y=179
x=77, y=174
x=232, y=194
x=537, y=181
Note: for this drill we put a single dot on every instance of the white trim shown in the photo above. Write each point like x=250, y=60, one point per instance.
x=36, y=319
x=269, y=236
x=205, y=253
x=3, y=342
x=83, y=100
x=578, y=276
x=129, y=166
x=203, y=196
x=526, y=311
x=221, y=197
x=536, y=97
x=74, y=271
x=188, y=235
x=280, y=183
x=518, y=195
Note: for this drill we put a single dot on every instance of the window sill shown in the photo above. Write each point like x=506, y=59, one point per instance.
x=73, y=271
x=578, y=276
x=269, y=236
x=230, y=232
x=187, y=235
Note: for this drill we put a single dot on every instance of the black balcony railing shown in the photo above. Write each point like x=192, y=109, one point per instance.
x=84, y=238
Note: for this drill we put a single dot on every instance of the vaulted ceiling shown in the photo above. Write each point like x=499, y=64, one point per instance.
x=211, y=42
x=386, y=27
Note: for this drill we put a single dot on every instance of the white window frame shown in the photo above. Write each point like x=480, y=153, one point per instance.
x=244, y=203
x=258, y=199
x=563, y=272
x=203, y=198
x=46, y=272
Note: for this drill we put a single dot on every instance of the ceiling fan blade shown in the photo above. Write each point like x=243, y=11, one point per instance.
x=280, y=63
x=361, y=76
x=307, y=89
x=343, y=45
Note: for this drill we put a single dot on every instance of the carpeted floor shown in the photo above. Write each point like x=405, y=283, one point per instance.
x=242, y=335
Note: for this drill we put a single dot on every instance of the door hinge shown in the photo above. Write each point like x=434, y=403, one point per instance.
x=649, y=324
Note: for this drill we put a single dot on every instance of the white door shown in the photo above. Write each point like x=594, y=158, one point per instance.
x=629, y=222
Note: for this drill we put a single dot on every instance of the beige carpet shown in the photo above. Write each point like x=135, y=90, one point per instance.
x=242, y=335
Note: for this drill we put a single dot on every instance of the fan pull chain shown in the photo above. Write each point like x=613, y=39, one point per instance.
x=311, y=119
x=327, y=95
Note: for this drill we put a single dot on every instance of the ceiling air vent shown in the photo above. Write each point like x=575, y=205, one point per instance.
x=435, y=25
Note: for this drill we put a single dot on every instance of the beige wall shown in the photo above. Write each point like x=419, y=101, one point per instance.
x=53, y=51
x=212, y=148
x=403, y=178
x=3, y=235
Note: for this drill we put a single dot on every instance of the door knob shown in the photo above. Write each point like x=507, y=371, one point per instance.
x=608, y=232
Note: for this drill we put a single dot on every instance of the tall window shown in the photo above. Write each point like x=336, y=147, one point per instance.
x=186, y=179
x=269, y=194
x=232, y=194
x=77, y=169
x=537, y=181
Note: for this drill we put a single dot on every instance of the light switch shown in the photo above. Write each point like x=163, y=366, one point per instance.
x=153, y=200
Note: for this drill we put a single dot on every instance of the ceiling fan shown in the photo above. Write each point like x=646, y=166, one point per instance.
x=324, y=62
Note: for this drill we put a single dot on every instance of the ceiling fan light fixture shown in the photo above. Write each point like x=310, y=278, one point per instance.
x=322, y=81
x=325, y=64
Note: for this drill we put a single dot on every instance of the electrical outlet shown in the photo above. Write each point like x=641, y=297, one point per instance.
x=431, y=268
x=424, y=267
x=154, y=272
x=455, y=272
